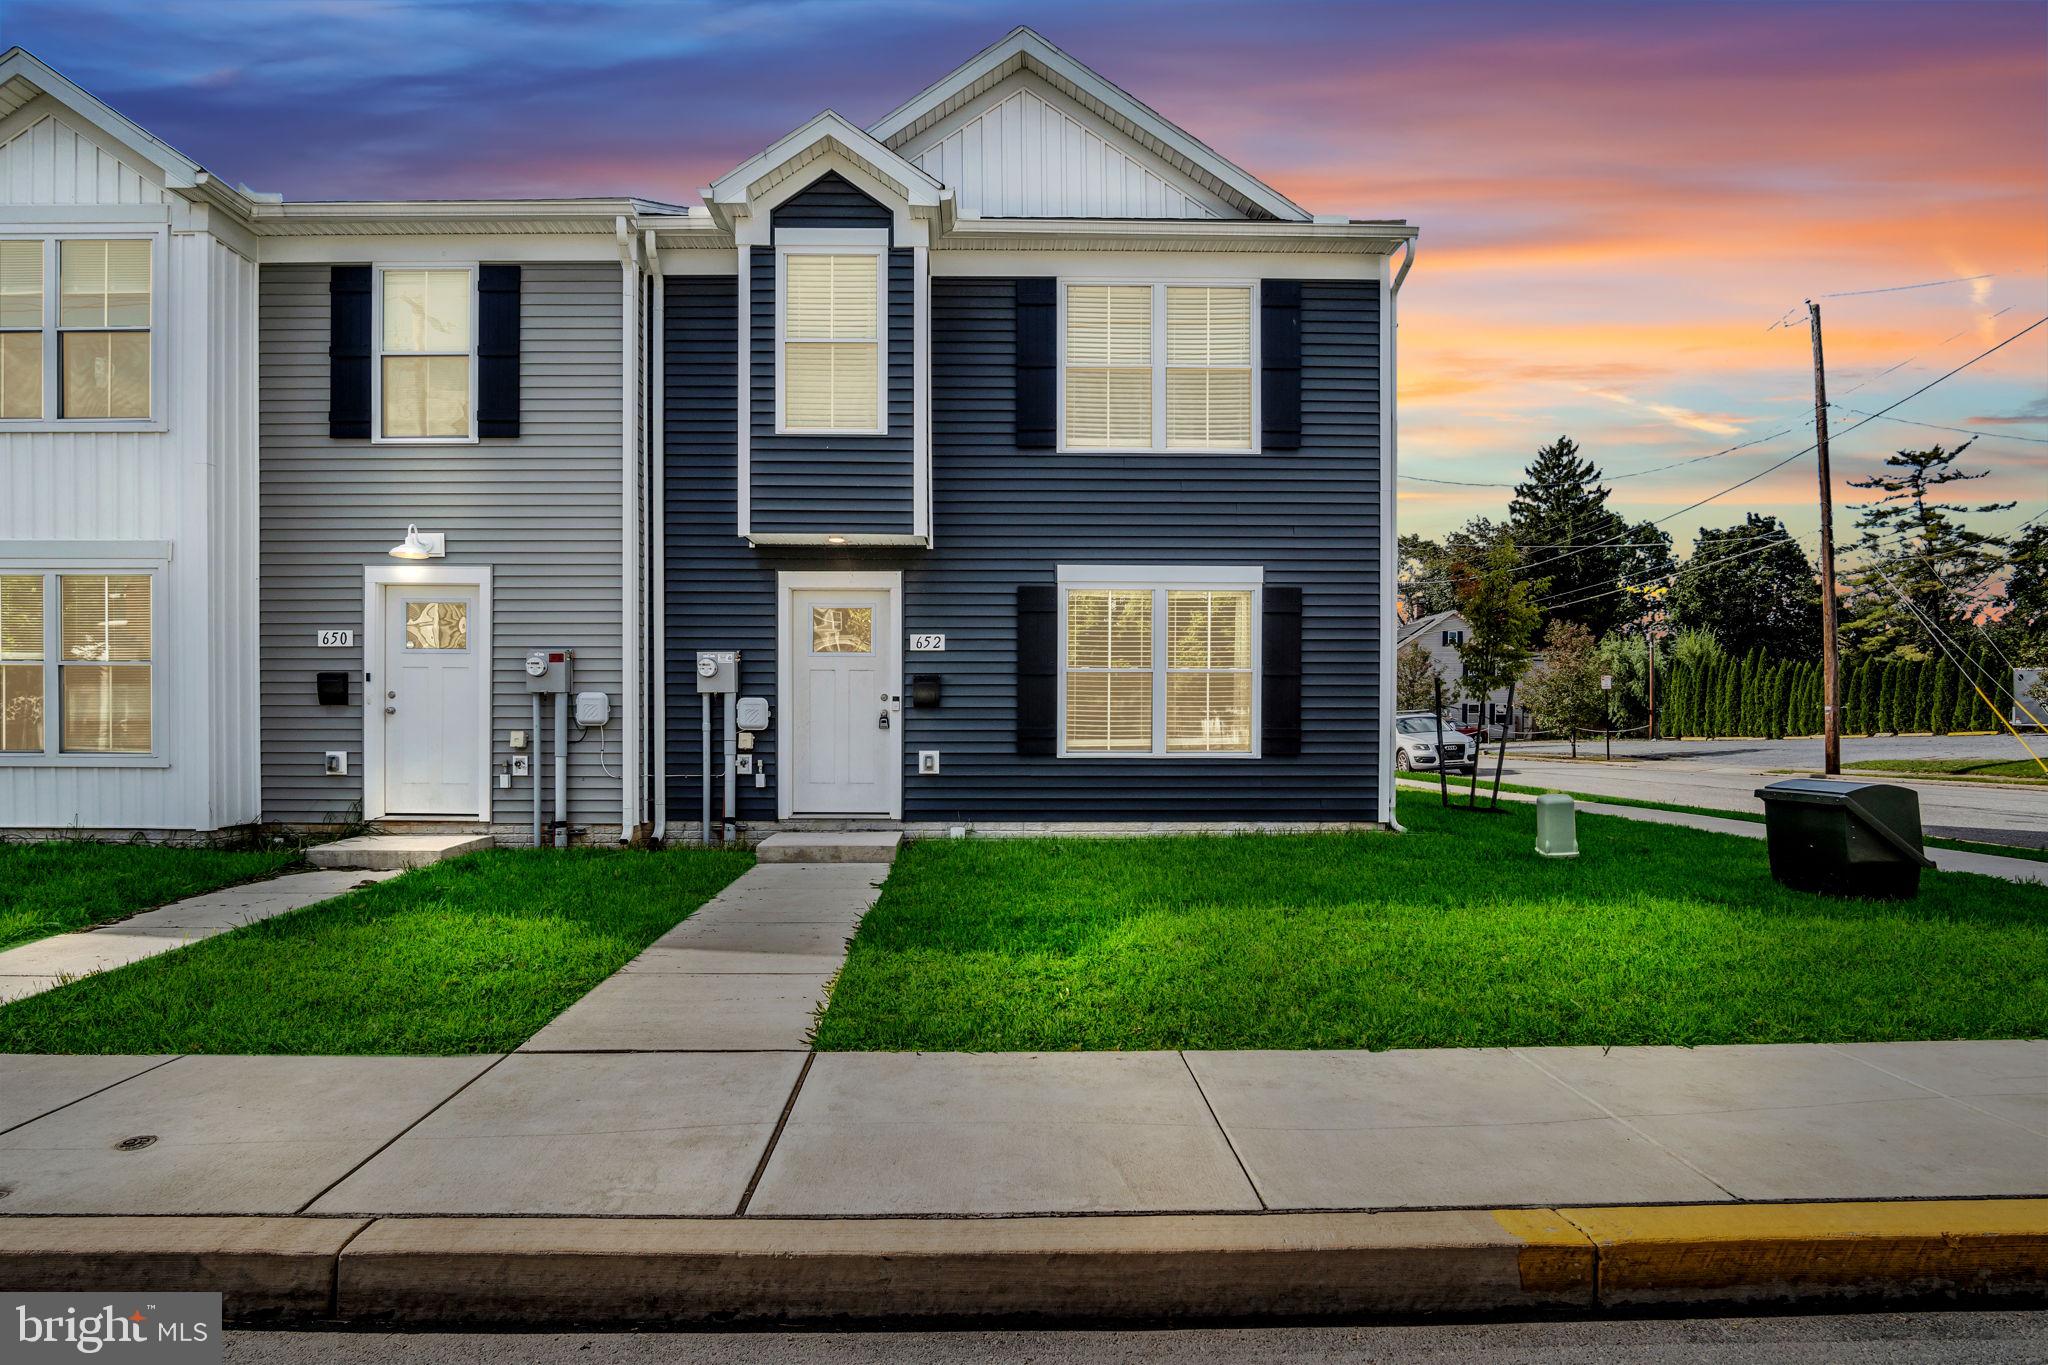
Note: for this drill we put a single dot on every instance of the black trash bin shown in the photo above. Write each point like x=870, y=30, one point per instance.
x=1845, y=838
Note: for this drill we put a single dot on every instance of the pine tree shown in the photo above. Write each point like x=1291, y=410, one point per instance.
x=1869, y=685
x=1916, y=545
x=1576, y=545
x=1923, y=713
x=1888, y=701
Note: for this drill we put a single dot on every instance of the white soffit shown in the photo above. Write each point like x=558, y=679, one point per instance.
x=1024, y=50
x=828, y=132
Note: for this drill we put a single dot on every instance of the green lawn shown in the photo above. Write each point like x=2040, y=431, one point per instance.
x=471, y=955
x=1455, y=935
x=1977, y=769
x=59, y=885
x=2037, y=855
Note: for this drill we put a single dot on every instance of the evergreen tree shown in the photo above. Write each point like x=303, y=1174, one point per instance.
x=1869, y=685
x=2022, y=603
x=1888, y=700
x=1941, y=708
x=1576, y=546
x=1914, y=544
x=1750, y=585
x=1919, y=677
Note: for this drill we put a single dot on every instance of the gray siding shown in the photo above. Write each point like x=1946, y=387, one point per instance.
x=818, y=484
x=1310, y=517
x=543, y=511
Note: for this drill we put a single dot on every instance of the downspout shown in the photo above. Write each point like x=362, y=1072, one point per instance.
x=658, y=454
x=1390, y=539
x=629, y=526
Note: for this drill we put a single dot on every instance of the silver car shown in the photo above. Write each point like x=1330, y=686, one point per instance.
x=1416, y=749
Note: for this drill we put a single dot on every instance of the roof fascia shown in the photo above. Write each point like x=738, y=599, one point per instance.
x=1364, y=238
x=179, y=170
x=917, y=188
x=1039, y=51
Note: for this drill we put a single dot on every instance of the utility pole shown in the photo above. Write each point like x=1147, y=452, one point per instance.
x=1830, y=657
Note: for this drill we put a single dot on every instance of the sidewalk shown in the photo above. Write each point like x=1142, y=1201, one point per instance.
x=1946, y=859
x=44, y=964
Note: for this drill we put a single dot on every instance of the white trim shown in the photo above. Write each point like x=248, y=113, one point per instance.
x=787, y=584
x=1390, y=533
x=29, y=553
x=879, y=252
x=832, y=237
x=377, y=273
x=743, y=438
x=657, y=445
x=920, y=393
x=1158, y=367
x=632, y=524
x=844, y=538
x=1039, y=55
x=52, y=331
x=1160, y=579
x=127, y=558
x=912, y=183
x=377, y=578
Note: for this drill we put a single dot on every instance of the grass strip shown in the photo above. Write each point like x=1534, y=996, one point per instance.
x=57, y=886
x=471, y=955
x=1455, y=935
x=1958, y=769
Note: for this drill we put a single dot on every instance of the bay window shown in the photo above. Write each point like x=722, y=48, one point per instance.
x=1157, y=367
x=829, y=341
x=1159, y=662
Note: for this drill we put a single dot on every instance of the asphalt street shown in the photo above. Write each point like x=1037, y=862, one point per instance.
x=1926, y=1338
x=1723, y=774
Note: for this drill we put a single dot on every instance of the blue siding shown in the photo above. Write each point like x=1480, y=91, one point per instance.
x=817, y=484
x=831, y=201
x=1003, y=517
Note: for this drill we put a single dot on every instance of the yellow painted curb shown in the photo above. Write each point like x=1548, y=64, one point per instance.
x=1725, y=1252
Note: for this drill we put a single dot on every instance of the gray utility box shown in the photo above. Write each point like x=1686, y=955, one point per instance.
x=1845, y=838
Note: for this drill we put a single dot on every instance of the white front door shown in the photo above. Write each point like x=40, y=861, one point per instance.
x=431, y=693
x=847, y=703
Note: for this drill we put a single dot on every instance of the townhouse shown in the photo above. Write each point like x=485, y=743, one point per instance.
x=1013, y=461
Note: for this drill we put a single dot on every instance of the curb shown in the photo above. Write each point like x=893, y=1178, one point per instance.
x=425, y=1271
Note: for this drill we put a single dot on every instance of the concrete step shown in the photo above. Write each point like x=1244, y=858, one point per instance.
x=382, y=852
x=842, y=846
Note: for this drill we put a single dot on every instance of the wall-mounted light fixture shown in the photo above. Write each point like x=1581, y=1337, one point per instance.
x=835, y=540
x=420, y=544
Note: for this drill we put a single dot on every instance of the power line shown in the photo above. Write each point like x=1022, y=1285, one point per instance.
x=1961, y=431
x=1902, y=288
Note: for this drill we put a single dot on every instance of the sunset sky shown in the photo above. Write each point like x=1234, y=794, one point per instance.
x=1616, y=201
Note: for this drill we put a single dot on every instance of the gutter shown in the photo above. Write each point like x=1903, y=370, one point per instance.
x=631, y=526
x=1390, y=542
x=657, y=444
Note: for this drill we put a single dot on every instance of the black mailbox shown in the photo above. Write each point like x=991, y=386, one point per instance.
x=333, y=688
x=1845, y=838
x=924, y=689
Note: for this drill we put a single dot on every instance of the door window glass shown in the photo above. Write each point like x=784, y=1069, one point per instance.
x=437, y=625
x=842, y=630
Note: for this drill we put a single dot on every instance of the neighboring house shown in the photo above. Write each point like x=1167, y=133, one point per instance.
x=1439, y=634
x=1036, y=460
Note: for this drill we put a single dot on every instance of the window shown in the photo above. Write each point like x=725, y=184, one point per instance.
x=1454, y=637
x=83, y=352
x=437, y=625
x=426, y=354
x=1165, y=668
x=830, y=373
x=1125, y=390
x=842, y=630
x=89, y=663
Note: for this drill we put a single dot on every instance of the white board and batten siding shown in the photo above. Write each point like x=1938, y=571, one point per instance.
x=542, y=511
x=1024, y=150
x=185, y=495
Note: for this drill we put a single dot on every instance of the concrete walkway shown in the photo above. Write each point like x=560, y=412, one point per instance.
x=1947, y=859
x=46, y=963
x=781, y=1134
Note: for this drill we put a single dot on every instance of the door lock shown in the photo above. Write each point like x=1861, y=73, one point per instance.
x=390, y=710
x=882, y=721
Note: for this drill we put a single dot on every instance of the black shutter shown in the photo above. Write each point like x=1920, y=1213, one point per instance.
x=1280, y=364
x=1280, y=721
x=348, y=353
x=497, y=350
x=1037, y=362
x=1038, y=655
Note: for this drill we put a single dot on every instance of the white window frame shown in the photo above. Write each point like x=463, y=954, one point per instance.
x=1158, y=366
x=377, y=353
x=53, y=754
x=833, y=242
x=159, y=239
x=1160, y=579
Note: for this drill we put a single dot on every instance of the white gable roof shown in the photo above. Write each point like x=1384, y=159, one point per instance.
x=23, y=77
x=827, y=133
x=1211, y=176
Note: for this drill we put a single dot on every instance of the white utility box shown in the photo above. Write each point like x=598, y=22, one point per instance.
x=593, y=708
